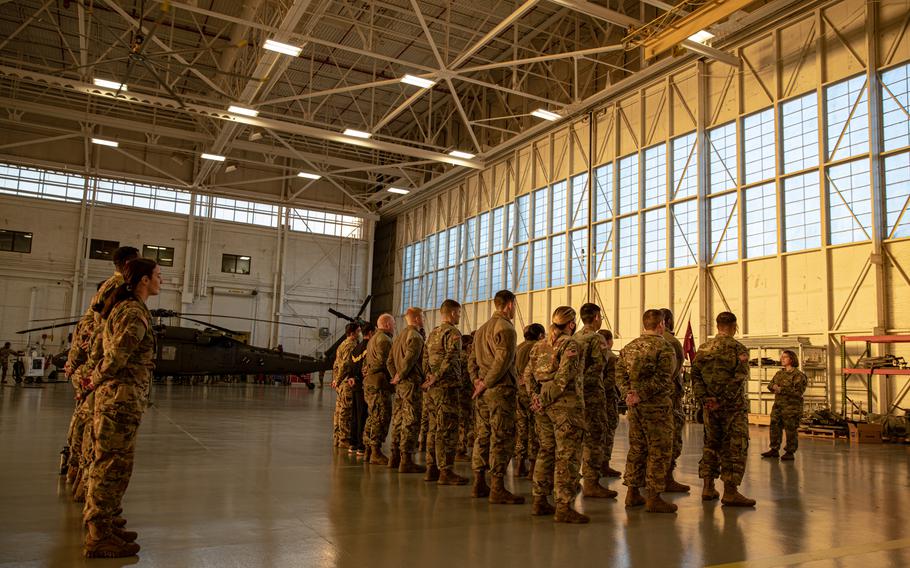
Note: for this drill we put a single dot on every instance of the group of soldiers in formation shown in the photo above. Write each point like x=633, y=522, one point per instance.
x=551, y=404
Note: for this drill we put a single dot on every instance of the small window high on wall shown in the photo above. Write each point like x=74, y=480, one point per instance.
x=15, y=241
x=235, y=264
x=102, y=250
x=160, y=254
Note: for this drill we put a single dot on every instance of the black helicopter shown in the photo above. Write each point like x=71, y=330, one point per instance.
x=216, y=350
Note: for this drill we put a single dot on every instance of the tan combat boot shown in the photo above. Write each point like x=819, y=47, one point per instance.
x=607, y=471
x=432, y=473
x=118, y=522
x=634, y=498
x=566, y=514
x=449, y=477
x=101, y=542
x=541, y=506
x=709, y=493
x=499, y=495
x=395, y=458
x=377, y=457
x=673, y=486
x=733, y=498
x=123, y=534
x=655, y=504
x=407, y=464
x=480, y=489
x=531, y=466
x=593, y=489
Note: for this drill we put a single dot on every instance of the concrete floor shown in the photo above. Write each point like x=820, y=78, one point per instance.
x=245, y=476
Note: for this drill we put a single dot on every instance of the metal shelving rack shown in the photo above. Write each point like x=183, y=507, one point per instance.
x=813, y=361
x=849, y=368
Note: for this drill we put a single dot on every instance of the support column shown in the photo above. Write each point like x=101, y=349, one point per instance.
x=704, y=233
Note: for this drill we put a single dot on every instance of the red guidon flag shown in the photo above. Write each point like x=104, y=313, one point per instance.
x=689, y=343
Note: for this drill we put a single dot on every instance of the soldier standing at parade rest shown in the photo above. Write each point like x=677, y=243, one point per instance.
x=525, y=432
x=720, y=373
x=359, y=414
x=342, y=371
x=788, y=386
x=465, y=403
x=5, y=352
x=444, y=372
x=612, y=405
x=679, y=417
x=495, y=395
x=593, y=360
x=644, y=373
x=405, y=366
x=121, y=384
x=377, y=389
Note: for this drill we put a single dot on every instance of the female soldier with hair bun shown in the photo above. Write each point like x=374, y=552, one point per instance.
x=788, y=386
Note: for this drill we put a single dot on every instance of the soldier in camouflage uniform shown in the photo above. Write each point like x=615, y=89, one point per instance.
x=465, y=404
x=788, y=386
x=377, y=389
x=679, y=417
x=555, y=375
x=644, y=373
x=442, y=364
x=406, y=368
x=611, y=394
x=526, y=445
x=593, y=360
x=343, y=383
x=121, y=383
x=720, y=374
x=495, y=396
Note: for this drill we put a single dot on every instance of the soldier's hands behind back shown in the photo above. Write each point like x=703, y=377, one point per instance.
x=479, y=387
x=632, y=399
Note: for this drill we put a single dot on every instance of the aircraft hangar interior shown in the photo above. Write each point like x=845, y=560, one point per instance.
x=337, y=283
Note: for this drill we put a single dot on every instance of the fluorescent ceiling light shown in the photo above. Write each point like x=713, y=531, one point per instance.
x=701, y=36
x=284, y=48
x=356, y=133
x=399, y=191
x=213, y=157
x=109, y=84
x=460, y=154
x=231, y=168
x=103, y=142
x=308, y=175
x=418, y=81
x=545, y=114
x=242, y=110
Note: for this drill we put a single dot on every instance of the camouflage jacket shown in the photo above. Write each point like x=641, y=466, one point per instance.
x=377, y=356
x=473, y=371
x=522, y=356
x=494, y=350
x=343, y=367
x=406, y=355
x=567, y=372
x=540, y=368
x=792, y=383
x=593, y=358
x=610, y=373
x=129, y=347
x=680, y=357
x=87, y=347
x=646, y=365
x=721, y=371
x=442, y=355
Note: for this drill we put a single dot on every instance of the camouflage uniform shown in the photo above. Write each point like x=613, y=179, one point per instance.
x=645, y=365
x=465, y=403
x=525, y=435
x=679, y=417
x=788, y=407
x=344, y=401
x=721, y=371
x=377, y=390
x=121, y=386
x=405, y=361
x=494, y=429
x=593, y=360
x=442, y=358
x=554, y=374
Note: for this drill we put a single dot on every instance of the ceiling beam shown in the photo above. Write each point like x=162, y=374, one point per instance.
x=712, y=53
x=672, y=34
x=600, y=12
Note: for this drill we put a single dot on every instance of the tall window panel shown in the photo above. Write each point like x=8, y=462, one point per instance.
x=508, y=271
x=603, y=192
x=451, y=283
x=603, y=251
x=429, y=290
x=522, y=268
x=429, y=248
x=497, y=272
x=484, y=237
x=799, y=133
x=406, y=293
x=469, y=282
x=760, y=211
x=454, y=239
x=578, y=254
x=441, y=288
x=628, y=245
x=539, y=227
x=522, y=218
x=407, y=260
x=628, y=184
x=758, y=146
x=418, y=259
x=558, y=199
x=685, y=167
x=539, y=265
x=897, y=196
x=655, y=239
x=724, y=228
x=802, y=212
x=721, y=147
x=847, y=118
x=579, y=201
x=685, y=233
x=483, y=278
x=470, y=238
x=499, y=229
x=510, y=227
x=655, y=175
x=442, y=249
x=849, y=203
x=557, y=260
x=896, y=107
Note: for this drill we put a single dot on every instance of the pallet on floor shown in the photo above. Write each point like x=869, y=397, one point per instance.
x=822, y=433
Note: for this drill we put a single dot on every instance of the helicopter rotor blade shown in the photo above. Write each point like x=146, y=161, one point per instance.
x=173, y=314
x=64, y=324
x=250, y=319
x=338, y=314
x=363, y=306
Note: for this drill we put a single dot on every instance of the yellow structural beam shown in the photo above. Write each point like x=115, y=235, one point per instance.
x=674, y=34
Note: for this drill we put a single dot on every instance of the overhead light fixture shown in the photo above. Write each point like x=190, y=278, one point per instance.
x=356, y=133
x=255, y=136
x=701, y=36
x=399, y=191
x=460, y=154
x=418, y=81
x=545, y=114
x=109, y=84
x=213, y=157
x=307, y=175
x=103, y=142
x=243, y=110
x=284, y=48
x=231, y=168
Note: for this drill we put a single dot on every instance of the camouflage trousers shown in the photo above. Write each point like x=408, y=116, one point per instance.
x=650, y=445
x=595, y=415
x=679, y=423
x=379, y=415
x=344, y=409
x=726, y=445
x=442, y=431
x=611, y=405
x=118, y=412
x=494, y=430
x=87, y=445
x=406, y=416
x=465, y=419
x=526, y=443
x=424, y=419
x=785, y=416
x=82, y=421
x=561, y=431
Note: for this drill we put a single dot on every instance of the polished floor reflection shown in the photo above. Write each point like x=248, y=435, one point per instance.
x=245, y=476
